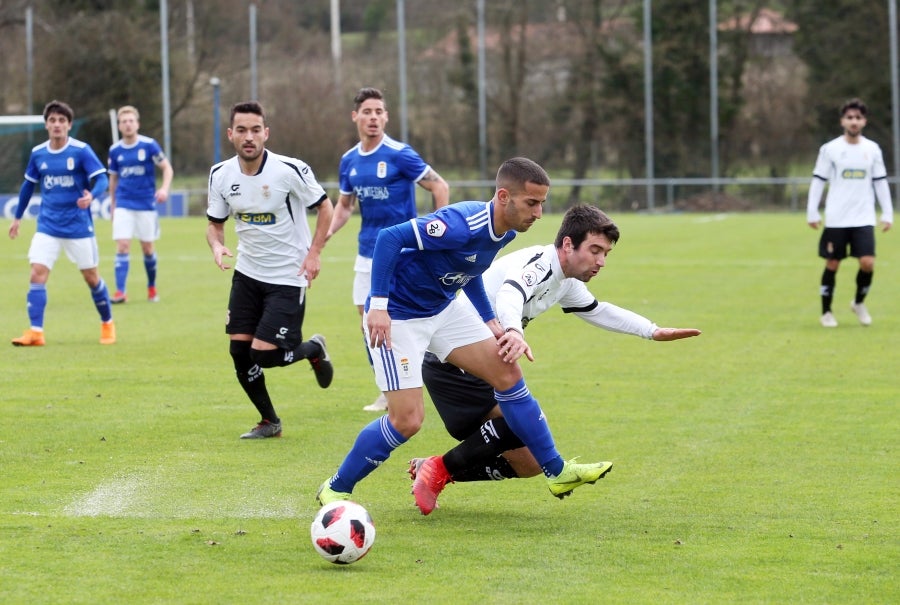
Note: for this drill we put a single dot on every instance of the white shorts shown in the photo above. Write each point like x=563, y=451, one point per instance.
x=401, y=367
x=142, y=224
x=82, y=251
x=362, y=282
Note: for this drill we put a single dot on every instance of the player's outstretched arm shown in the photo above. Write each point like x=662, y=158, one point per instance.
x=665, y=334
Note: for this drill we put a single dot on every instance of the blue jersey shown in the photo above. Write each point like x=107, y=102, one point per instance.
x=135, y=166
x=443, y=252
x=384, y=181
x=63, y=175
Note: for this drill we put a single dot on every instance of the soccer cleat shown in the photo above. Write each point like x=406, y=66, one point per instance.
x=379, y=405
x=152, y=296
x=321, y=365
x=861, y=313
x=414, y=465
x=263, y=430
x=574, y=475
x=828, y=320
x=431, y=477
x=107, y=333
x=30, y=338
x=326, y=495
x=118, y=298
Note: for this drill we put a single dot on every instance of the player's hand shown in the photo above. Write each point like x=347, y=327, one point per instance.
x=85, y=200
x=814, y=224
x=665, y=334
x=379, y=325
x=14, y=229
x=162, y=195
x=512, y=346
x=219, y=254
x=885, y=226
x=310, y=267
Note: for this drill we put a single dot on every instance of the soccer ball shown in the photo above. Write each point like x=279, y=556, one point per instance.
x=342, y=532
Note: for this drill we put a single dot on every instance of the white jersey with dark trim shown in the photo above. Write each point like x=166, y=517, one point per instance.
x=523, y=284
x=269, y=210
x=850, y=170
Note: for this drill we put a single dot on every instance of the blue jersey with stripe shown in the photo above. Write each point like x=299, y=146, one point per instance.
x=63, y=175
x=443, y=252
x=384, y=182
x=135, y=166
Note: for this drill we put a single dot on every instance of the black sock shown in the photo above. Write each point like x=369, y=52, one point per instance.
x=251, y=378
x=827, y=289
x=863, y=281
x=496, y=470
x=276, y=358
x=492, y=439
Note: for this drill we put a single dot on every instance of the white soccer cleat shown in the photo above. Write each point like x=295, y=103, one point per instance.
x=828, y=321
x=861, y=313
x=379, y=405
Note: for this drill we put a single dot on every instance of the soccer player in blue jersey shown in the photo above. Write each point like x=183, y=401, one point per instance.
x=269, y=196
x=70, y=177
x=133, y=197
x=417, y=270
x=521, y=286
x=381, y=174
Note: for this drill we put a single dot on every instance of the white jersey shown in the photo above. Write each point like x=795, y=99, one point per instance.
x=850, y=171
x=269, y=210
x=523, y=284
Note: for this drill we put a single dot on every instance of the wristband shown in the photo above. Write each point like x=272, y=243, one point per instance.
x=378, y=303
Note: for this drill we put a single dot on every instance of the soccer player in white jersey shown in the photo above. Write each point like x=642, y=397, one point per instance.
x=853, y=168
x=418, y=268
x=521, y=286
x=268, y=195
x=380, y=174
x=71, y=177
x=133, y=198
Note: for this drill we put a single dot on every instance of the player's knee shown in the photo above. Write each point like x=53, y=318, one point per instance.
x=268, y=358
x=240, y=355
x=867, y=264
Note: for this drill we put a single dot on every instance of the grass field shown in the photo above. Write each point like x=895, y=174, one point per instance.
x=757, y=463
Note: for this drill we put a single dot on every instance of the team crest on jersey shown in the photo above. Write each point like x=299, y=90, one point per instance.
x=529, y=278
x=265, y=192
x=436, y=228
x=70, y=163
x=381, y=170
x=404, y=366
x=142, y=155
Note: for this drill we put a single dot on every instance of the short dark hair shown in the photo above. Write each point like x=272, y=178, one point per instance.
x=581, y=220
x=60, y=108
x=248, y=107
x=365, y=94
x=515, y=172
x=854, y=103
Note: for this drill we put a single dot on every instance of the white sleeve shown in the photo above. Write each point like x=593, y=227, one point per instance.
x=816, y=187
x=616, y=319
x=508, y=305
x=883, y=194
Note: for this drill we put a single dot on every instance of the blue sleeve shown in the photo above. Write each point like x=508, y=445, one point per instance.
x=344, y=176
x=478, y=296
x=388, y=246
x=411, y=164
x=25, y=194
x=101, y=182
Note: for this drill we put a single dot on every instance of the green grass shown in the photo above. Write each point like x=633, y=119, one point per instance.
x=757, y=463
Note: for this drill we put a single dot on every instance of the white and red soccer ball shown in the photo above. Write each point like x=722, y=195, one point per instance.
x=342, y=532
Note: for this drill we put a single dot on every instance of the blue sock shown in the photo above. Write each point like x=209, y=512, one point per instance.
x=36, y=300
x=373, y=446
x=150, y=266
x=524, y=416
x=121, y=271
x=101, y=300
